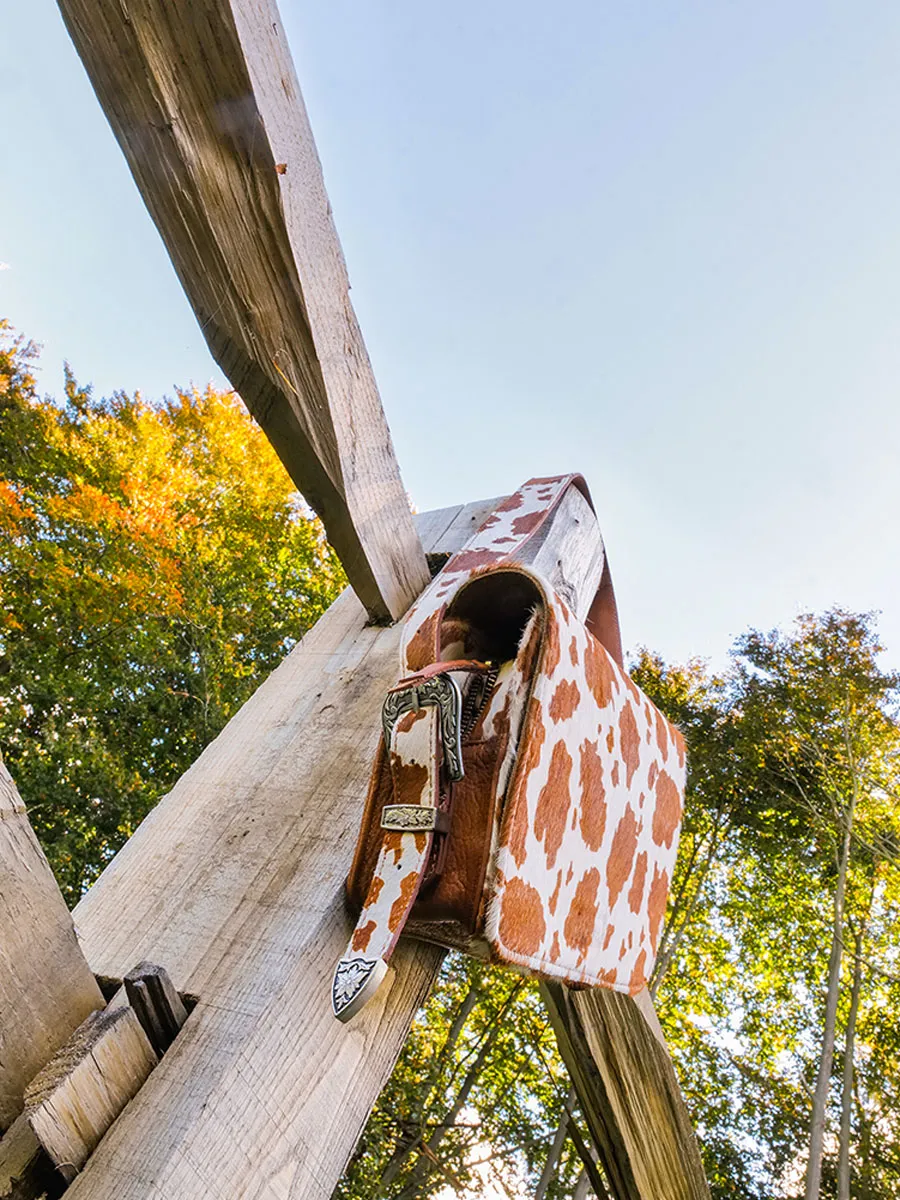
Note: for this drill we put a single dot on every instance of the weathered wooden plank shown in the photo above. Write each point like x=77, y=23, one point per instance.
x=235, y=882
x=628, y=1093
x=26, y=1172
x=76, y=1097
x=205, y=103
x=465, y=522
x=160, y=1010
x=571, y=554
x=46, y=986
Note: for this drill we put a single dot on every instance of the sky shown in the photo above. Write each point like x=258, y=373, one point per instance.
x=655, y=243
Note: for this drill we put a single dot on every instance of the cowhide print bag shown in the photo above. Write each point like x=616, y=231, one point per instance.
x=526, y=797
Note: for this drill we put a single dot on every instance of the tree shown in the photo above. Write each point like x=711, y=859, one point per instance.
x=476, y=1098
x=715, y=795
x=155, y=564
x=744, y=952
x=821, y=711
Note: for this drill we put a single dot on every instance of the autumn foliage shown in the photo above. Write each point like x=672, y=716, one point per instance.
x=155, y=564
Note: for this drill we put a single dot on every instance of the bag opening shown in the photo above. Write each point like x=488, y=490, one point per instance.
x=488, y=615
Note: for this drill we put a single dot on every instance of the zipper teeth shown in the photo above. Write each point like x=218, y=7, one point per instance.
x=473, y=708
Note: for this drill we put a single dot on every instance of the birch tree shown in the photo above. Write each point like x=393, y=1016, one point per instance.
x=821, y=710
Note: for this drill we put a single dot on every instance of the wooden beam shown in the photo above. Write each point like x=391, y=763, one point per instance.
x=159, y=1008
x=569, y=552
x=235, y=882
x=26, y=1170
x=205, y=103
x=46, y=986
x=76, y=1097
x=619, y=1063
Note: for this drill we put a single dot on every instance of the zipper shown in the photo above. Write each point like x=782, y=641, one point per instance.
x=477, y=698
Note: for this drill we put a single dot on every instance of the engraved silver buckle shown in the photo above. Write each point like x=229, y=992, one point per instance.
x=441, y=692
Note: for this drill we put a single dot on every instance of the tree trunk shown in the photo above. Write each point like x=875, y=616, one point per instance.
x=671, y=938
x=847, y=1096
x=590, y=1176
x=826, y=1057
x=471, y=998
x=865, y=1187
x=582, y=1187
x=550, y=1166
x=407, y=1147
x=425, y=1165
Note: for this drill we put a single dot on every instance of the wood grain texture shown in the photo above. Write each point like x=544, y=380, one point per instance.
x=76, y=1097
x=159, y=1008
x=26, y=1172
x=205, y=103
x=46, y=986
x=628, y=1093
x=235, y=883
x=570, y=553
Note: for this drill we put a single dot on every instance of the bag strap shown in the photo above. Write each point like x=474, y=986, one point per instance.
x=422, y=720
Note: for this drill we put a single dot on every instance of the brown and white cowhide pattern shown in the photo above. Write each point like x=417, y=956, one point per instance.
x=397, y=875
x=506, y=530
x=591, y=788
x=590, y=826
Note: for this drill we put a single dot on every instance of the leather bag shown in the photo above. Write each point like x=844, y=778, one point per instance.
x=526, y=796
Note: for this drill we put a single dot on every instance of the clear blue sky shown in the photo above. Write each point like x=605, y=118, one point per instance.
x=658, y=243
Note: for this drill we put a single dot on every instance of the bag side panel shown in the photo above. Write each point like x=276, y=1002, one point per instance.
x=590, y=831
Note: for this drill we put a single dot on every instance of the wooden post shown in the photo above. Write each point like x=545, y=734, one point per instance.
x=83, y=1089
x=46, y=986
x=204, y=101
x=619, y=1063
x=159, y=1008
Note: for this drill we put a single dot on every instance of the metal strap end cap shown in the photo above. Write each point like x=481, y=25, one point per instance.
x=356, y=980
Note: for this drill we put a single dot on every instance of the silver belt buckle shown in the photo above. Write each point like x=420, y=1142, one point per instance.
x=441, y=692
